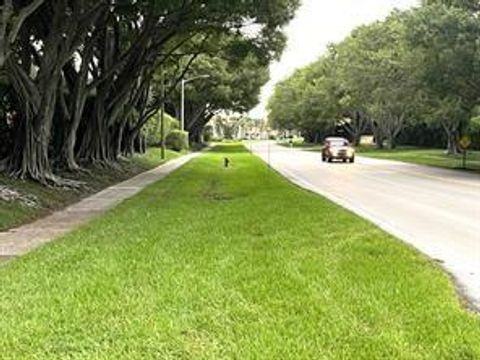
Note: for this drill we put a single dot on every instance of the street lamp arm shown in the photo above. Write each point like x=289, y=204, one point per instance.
x=185, y=81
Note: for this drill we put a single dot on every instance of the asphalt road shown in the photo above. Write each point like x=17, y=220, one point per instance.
x=435, y=210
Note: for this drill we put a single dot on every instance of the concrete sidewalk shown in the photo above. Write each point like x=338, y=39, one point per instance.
x=19, y=241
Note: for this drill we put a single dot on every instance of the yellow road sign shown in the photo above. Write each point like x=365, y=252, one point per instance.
x=465, y=142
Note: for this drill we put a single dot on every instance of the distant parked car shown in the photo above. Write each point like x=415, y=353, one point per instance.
x=337, y=148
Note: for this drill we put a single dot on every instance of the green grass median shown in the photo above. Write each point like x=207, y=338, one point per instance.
x=230, y=263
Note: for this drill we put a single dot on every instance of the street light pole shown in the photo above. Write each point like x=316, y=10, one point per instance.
x=162, y=118
x=182, y=105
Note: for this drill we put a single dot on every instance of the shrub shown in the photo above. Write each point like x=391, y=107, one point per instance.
x=153, y=132
x=177, y=140
x=473, y=131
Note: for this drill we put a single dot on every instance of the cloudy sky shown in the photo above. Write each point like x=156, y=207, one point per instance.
x=318, y=23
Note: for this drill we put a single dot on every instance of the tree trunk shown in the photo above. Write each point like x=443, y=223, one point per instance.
x=31, y=158
x=95, y=139
x=452, y=145
x=143, y=142
x=80, y=94
x=378, y=136
x=119, y=140
x=71, y=139
x=359, y=126
x=392, y=142
x=129, y=141
x=451, y=130
x=131, y=145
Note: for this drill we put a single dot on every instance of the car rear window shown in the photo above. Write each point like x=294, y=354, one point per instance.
x=338, y=143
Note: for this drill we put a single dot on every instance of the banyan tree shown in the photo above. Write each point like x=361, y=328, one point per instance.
x=79, y=78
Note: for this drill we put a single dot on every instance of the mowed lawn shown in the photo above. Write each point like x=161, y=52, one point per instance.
x=414, y=155
x=432, y=157
x=216, y=263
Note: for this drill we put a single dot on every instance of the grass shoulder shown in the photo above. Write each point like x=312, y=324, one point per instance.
x=409, y=154
x=235, y=262
x=425, y=156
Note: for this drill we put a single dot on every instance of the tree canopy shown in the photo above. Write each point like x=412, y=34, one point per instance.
x=230, y=79
x=306, y=101
x=78, y=77
x=416, y=66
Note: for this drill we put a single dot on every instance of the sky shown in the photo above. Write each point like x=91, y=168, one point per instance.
x=318, y=23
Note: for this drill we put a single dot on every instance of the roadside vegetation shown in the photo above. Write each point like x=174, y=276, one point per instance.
x=80, y=79
x=411, y=79
x=409, y=154
x=431, y=157
x=23, y=201
x=84, y=86
x=231, y=263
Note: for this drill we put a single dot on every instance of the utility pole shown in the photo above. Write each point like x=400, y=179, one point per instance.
x=162, y=119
